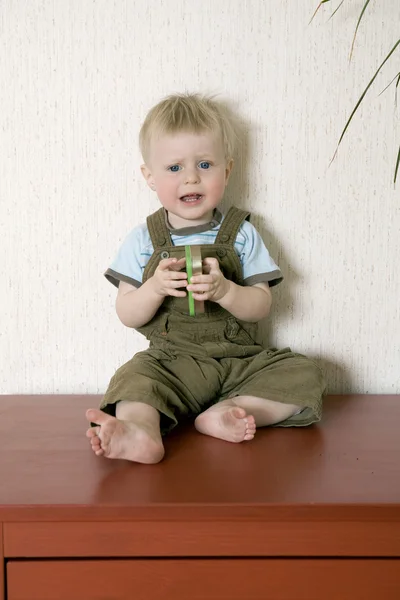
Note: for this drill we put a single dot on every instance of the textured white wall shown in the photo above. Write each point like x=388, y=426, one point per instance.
x=77, y=77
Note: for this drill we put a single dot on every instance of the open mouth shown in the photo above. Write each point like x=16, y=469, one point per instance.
x=191, y=198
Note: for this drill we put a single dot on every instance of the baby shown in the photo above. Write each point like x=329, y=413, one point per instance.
x=207, y=366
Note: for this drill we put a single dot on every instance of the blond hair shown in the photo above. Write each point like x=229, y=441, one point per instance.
x=190, y=113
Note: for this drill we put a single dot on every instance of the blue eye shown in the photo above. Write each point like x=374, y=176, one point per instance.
x=204, y=164
x=174, y=168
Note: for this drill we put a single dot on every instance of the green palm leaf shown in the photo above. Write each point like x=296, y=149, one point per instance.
x=363, y=95
x=396, y=78
x=317, y=9
x=357, y=26
x=389, y=84
x=397, y=166
x=335, y=11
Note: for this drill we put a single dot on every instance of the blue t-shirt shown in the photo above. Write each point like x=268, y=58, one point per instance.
x=136, y=250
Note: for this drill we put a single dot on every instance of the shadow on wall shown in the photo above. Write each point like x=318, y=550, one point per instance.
x=338, y=376
x=238, y=193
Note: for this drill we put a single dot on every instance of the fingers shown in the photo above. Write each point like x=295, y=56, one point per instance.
x=172, y=281
x=170, y=269
x=212, y=264
x=169, y=278
x=202, y=284
x=175, y=277
x=166, y=264
x=176, y=293
x=201, y=287
x=178, y=265
x=203, y=290
x=196, y=279
x=211, y=285
x=202, y=296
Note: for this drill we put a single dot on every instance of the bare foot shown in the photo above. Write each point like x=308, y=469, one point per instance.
x=114, y=438
x=227, y=422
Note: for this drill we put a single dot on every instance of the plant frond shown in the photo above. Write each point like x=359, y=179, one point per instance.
x=389, y=84
x=317, y=9
x=397, y=166
x=395, y=94
x=335, y=11
x=362, y=97
x=358, y=24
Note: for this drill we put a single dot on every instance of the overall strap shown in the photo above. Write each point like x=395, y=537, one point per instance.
x=158, y=230
x=230, y=225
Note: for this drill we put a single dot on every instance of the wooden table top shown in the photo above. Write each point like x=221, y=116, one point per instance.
x=350, y=460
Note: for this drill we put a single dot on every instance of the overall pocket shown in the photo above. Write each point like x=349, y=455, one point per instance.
x=236, y=333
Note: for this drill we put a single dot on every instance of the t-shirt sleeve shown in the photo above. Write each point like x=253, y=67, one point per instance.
x=257, y=264
x=126, y=266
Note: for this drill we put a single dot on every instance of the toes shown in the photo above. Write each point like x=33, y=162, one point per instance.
x=97, y=416
x=93, y=432
x=250, y=420
x=250, y=424
x=250, y=430
x=95, y=442
x=238, y=412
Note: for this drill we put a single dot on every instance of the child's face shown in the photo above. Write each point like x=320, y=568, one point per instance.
x=189, y=172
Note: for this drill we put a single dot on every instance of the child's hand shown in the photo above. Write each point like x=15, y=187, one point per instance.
x=167, y=277
x=212, y=285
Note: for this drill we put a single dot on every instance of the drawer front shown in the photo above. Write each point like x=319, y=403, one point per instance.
x=174, y=538
x=204, y=579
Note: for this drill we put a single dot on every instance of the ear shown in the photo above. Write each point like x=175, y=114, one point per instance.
x=148, y=176
x=228, y=170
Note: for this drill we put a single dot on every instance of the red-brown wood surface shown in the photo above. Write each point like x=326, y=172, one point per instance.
x=278, y=579
x=348, y=465
x=204, y=538
x=2, y=575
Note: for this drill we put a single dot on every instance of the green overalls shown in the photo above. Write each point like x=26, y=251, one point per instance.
x=195, y=362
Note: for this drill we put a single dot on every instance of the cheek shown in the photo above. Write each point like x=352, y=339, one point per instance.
x=217, y=186
x=165, y=185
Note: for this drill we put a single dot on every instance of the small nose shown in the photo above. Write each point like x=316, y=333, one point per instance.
x=191, y=176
